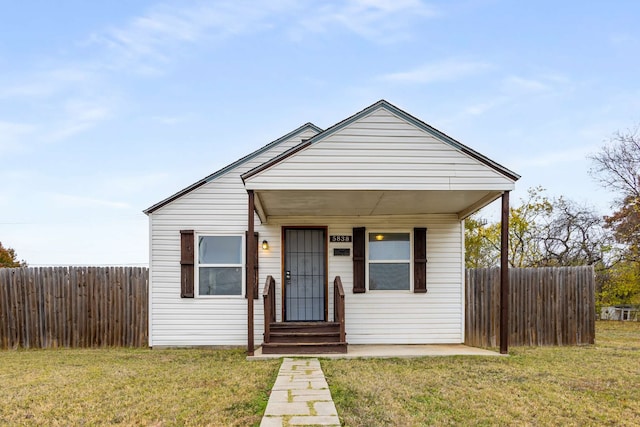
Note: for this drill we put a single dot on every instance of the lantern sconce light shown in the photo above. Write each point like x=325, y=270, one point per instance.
x=265, y=245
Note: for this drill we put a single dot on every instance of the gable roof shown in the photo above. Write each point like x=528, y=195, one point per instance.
x=398, y=112
x=226, y=169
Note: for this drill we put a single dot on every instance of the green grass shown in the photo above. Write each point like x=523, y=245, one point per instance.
x=592, y=385
x=133, y=387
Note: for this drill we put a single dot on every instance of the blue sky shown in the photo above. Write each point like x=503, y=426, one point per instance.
x=109, y=107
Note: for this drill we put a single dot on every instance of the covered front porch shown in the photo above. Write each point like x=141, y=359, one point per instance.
x=330, y=335
x=397, y=191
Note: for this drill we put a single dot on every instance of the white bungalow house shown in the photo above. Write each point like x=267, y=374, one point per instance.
x=350, y=234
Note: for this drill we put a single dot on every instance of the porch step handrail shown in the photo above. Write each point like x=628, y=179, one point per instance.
x=269, y=298
x=338, y=306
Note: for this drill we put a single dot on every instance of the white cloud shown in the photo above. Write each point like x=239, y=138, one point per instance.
x=159, y=34
x=134, y=183
x=554, y=157
x=68, y=200
x=41, y=84
x=173, y=120
x=80, y=116
x=543, y=83
x=514, y=89
x=480, y=108
x=97, y=242
x=520, y=84
x=12, y=135
x=446, y=70
x=622, y=40
x=378, y=20
x=69, y=99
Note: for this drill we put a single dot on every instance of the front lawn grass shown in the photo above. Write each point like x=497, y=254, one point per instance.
x=591, y=385
x=133, y=387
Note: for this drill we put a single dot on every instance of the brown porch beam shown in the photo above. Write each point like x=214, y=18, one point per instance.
x=251, y=273
x=504, y=275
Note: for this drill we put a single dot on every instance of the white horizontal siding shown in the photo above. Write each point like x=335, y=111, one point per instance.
x=380, y=152
x=373, y=317
x=216, y=207
x=389, y=317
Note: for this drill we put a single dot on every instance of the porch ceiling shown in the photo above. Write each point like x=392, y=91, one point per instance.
x=369, y=202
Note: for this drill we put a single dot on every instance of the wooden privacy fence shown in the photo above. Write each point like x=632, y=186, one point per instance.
x=547, y=306
x=73, y=307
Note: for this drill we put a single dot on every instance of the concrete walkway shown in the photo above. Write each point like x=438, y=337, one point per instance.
x=300, y=396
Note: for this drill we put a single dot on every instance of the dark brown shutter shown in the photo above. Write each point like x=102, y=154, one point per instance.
x=359, y=241
x=187, y=256
x=255, y=264
x=420, y=260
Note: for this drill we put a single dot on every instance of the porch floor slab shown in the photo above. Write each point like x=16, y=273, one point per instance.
x=369, y=351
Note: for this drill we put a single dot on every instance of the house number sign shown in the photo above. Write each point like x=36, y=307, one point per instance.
x=340, y=239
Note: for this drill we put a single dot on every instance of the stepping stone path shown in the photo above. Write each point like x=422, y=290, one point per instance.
x=300, y=397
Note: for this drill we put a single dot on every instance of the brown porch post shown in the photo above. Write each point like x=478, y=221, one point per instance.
x=504, y=275
x=251, y=273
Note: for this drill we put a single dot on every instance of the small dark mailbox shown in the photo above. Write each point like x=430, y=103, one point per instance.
x=341, y=251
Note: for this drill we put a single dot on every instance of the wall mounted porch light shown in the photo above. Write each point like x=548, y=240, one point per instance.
x=265, y=245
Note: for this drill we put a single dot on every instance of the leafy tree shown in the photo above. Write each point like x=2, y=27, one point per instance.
x=8, y=258
x=574, y=235
x=482, y=239
x=620, y=285
x=526, y=229
x=625, y=223
x=617, y=167
x=542, y=232
x=480, y=250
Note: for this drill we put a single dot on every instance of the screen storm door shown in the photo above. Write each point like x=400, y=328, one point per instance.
x=305, y=284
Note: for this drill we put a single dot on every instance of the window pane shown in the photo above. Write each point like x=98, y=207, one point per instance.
x=389, y=276
x=389, y=246
x=220, y=281
x=220, y=250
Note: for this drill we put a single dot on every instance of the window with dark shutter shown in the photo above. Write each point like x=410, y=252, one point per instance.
x=389, y=261
x=186, y=263
x=419, y=260
x=255, y=264
x=358, y=260
x=219, y=265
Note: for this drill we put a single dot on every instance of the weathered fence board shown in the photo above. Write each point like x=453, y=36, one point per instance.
x=547, y=306
x=45, y=307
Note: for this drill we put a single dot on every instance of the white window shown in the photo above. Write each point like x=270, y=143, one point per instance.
x=389, y=261
x=220, y=265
